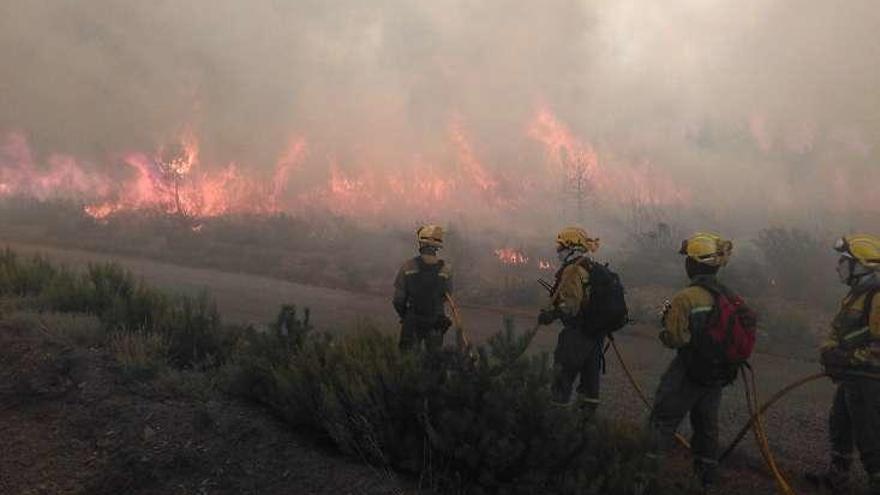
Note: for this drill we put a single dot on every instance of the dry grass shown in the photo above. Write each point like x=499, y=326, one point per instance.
x=139, y=350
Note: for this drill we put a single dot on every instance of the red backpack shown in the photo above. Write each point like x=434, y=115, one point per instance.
x=724, y=340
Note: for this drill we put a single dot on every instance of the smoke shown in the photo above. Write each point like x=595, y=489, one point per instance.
x=751, y=111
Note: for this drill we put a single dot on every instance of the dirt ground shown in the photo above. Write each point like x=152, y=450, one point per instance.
x=796, y=427
x=72, y=423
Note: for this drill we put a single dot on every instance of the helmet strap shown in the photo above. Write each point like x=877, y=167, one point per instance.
x=429, y=250
x=860, y=275
x=572, y=254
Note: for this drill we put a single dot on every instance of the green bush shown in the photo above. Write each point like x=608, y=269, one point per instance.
x=462, y=425
x=190, y=325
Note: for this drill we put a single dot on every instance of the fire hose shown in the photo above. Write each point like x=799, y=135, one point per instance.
x=756, y=409
x=751, y=392
x=641, y=393
x=463, y=341
x=755, y=412
x=764, y=407
x=779, y=395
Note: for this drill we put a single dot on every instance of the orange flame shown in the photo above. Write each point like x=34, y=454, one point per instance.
x=511, y=256
x=578, y=161
x=172, y=182
x=472, y=166
x=61, y=176
x=565, y=152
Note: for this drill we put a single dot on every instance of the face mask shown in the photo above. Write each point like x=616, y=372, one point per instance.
x=429, y=250
x=563, y=254
x=844, y=271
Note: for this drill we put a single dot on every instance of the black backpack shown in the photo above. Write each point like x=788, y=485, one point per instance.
x=606, y=311
x=427, y=289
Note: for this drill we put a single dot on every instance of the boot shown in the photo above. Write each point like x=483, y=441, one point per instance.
x=706, y=475
x=835, y=478
x=645, y=480
x=874, y=483
x=586, y=407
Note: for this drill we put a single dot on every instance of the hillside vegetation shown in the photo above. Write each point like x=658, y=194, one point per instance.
x=450, y=423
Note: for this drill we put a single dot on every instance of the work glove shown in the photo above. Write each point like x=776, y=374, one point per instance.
x=663, y=310
x=547, y=316
x=836, y=360
x=443, y=323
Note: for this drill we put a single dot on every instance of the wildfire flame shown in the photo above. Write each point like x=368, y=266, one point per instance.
x=578, y=161
x=473, y=168
x=175, y=180
x=511, y=256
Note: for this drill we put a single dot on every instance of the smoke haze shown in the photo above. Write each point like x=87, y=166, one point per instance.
x=740, y=113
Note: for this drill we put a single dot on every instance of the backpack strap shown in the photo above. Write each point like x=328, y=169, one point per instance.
x=869, y=303
x=714, y=287
x=425, y=267
x=583, y=261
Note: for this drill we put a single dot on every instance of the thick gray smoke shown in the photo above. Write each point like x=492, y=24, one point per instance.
x=763, y=110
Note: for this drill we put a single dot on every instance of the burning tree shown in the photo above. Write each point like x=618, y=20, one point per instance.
x=577, y=185
x=174, y=164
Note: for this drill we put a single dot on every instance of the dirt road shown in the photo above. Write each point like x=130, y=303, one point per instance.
x=797, y=427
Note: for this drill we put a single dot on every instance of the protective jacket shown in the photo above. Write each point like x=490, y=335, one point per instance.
x=679, y=394
x=577, y=353
x=688, y=309
x=420, y=288
x=856, y=328
x=570, y=295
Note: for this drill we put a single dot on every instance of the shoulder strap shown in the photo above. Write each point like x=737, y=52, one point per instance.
x=425, y=267
x=710, y=288
x=715, y=288
x=869, y=303
x=419, y=263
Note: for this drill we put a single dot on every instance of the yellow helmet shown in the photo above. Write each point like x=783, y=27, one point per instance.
x=430, y=235
x=708, y=249
x=576, y=237
x=863, y=248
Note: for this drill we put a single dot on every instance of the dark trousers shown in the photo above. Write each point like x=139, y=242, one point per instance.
x=577, y=354
x=855, y=422
x=413, y=334
x=678, y=396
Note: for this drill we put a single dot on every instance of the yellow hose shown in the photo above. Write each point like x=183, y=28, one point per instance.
x=641, y=393
x=751, y=390
x=776, y=397
x=464, y=342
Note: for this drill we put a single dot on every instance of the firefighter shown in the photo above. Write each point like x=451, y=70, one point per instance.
x=577, y=352
x=687, y=387
x=853, y=346
x=420, y=293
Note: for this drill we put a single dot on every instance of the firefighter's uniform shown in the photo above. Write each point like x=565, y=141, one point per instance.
x=855, y=413
x=577, y=353
x=421, y=289
x=678, y=395
x=684, y=389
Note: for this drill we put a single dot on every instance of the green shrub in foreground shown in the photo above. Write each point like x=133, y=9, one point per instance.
x=461, y=425
x=191, y=326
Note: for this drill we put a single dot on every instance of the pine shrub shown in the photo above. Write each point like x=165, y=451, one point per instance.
x=190, y=325
x=461, y=425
